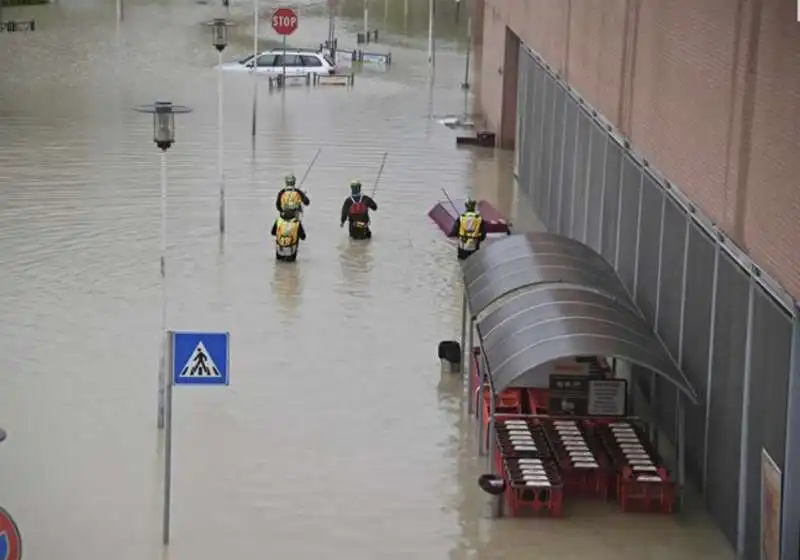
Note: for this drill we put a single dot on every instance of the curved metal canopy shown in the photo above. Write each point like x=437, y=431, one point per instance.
x=574, y=305
x=519, y=261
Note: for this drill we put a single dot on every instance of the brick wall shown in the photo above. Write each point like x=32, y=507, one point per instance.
x=708, y=91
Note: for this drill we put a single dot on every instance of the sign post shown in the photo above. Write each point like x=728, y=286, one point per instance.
x=196, y=358
x=284, y=22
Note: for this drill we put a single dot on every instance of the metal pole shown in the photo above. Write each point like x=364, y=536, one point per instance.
x=405, y=14
x=470, y=344
x=220, y=148
x=431, y=12
x=162, y=366
x=120, y=11
x=741, y=518
x=463, y=323
x=168, y=454
x=255, y=71
x=366, y=21
x=465, y=85
x=490, y=432
x=283, y=71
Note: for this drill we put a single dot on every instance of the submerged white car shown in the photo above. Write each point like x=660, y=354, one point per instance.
x=298, y=63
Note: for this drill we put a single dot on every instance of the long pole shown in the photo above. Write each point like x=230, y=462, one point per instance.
x=283, y=71
x=220, y=146
x=431, y=55
x=465, y=85
x=366, y=21
x=378, y=177
x=162, y=365
x=168, y=452
x=255, y=69
x=308, y=169
x=405, y=14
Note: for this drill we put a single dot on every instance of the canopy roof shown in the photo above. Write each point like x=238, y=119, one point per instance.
x=568, y=302
x=519, y=261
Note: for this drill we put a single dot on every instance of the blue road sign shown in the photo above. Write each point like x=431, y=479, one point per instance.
x=200, y=358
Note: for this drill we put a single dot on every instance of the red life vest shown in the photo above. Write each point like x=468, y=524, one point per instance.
x=358, y=208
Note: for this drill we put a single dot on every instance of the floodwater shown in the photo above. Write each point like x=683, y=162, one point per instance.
x=337, y=436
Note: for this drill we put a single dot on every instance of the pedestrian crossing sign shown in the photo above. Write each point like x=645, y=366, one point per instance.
x=200, y=358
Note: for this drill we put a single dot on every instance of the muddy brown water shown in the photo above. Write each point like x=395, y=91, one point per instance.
x=337, y=436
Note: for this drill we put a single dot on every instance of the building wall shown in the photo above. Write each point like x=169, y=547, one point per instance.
x=708, y=92
x=716, y=316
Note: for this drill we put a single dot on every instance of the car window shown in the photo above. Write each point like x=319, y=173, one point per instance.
x=328, y=60
x=246, y=59
x=291, y=60
x=266, y=60
x=310, y=60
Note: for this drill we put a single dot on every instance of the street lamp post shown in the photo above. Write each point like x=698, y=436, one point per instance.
x=164, y=136
x=219, y=29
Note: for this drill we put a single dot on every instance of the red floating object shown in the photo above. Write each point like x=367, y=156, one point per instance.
x=445, y=214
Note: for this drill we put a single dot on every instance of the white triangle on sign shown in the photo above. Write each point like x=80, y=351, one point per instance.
x=200, y=364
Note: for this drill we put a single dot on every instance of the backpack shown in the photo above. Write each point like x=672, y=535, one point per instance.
x=287, y=233
x=358, y=208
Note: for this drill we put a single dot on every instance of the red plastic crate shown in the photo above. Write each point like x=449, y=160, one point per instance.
x=646, y=497
x=538, y=400
x=532, y=501
x=581, y=482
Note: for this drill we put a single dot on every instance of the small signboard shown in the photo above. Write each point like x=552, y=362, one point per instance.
x=608, y=397
x=569, y=395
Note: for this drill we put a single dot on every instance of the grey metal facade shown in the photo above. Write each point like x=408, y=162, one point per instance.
x=729, y=327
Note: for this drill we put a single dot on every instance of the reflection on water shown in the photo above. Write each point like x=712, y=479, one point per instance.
x=337, y=435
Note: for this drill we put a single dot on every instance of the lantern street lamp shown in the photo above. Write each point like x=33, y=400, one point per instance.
x=219, y=38
x=164, y=136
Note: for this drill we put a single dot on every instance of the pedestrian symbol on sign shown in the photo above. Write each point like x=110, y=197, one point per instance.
x=200, y=364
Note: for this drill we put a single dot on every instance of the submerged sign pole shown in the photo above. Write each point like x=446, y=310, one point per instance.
x=255, y=71
x=195, y=358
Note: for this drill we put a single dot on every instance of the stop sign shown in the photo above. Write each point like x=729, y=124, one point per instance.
x=284, y=21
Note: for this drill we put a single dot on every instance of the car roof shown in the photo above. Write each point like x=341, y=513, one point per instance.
x=292, y=51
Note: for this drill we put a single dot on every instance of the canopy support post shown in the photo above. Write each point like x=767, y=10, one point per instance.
x=479, y=404
x=491, y=439
x=470, y=354
x=463, y=323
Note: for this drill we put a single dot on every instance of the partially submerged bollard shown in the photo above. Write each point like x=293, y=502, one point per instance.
x=495, y=486
x=450, y=355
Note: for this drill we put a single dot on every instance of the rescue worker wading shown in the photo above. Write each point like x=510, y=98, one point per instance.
x=356, y=209
x=288, y=232
x=291, y=198
x=470, y=228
